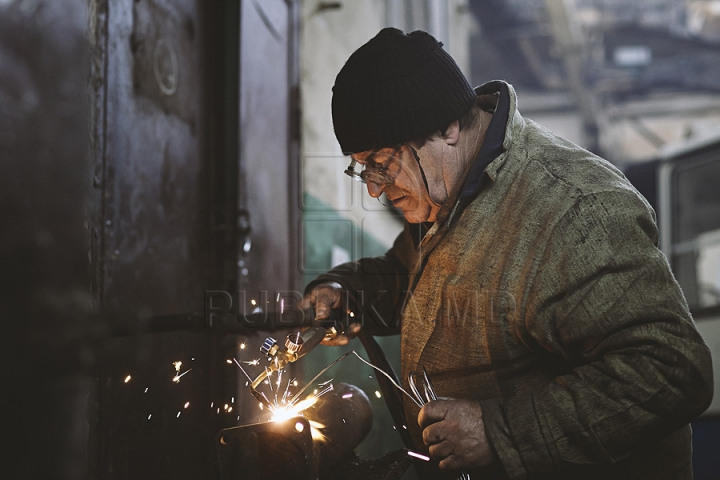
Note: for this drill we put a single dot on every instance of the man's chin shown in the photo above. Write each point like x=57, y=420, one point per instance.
x=412, y=217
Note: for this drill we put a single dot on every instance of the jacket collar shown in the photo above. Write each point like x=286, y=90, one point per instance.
x=498, y=136
x=505, y=123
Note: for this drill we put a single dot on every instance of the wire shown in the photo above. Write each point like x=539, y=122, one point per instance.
x=428, y=395
x=297, y=395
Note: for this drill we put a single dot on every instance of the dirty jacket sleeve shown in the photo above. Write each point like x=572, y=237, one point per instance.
x=375, y=287
x=605, y=299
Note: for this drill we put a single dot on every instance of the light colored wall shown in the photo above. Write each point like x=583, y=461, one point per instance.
x=328, y=37
x=340, y=220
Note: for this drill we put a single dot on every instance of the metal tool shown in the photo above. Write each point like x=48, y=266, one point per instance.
x=428, y=395
x=297, y=345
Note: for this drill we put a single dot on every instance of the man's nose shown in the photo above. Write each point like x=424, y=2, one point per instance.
x=375, y=189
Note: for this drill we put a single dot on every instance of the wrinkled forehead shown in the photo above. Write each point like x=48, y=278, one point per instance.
x=380, y=155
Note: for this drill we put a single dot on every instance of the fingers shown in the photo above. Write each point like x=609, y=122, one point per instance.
x=354, y=329
x=324, y=297
x=451, y=462
x=432, y=412
x=339, y=340
x=440, y=446
x=454, y=431
x=441, y=450
x=434, y=434
x=336, y=341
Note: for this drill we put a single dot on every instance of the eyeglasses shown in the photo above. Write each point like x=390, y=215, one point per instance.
x=375, y=168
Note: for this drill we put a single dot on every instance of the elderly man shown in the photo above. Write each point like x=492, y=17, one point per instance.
x=527, y=281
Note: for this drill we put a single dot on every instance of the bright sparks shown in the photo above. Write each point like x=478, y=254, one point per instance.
x=284, y=406
x=176, y=378
x=281, y=413
x=178, y=366
x=315, y=430
x=128, y=378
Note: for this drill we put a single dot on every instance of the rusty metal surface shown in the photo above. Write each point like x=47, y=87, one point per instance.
x=153, y=207
x=163, y=45
x=157, y=208
x=160, y=233
x=165, y=222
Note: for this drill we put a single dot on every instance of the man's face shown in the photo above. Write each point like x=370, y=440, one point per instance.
x=407, y=191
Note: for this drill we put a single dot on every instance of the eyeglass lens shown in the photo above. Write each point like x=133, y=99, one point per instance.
x=375, y=168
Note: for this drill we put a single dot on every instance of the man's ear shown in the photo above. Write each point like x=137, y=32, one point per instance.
x=451, y=135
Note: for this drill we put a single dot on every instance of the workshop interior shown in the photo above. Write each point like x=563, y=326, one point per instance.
x=170, y=182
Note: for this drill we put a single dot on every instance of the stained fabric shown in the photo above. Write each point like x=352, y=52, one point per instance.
x=544, y=296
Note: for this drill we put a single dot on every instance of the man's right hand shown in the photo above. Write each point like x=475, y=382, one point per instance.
x=324, y=297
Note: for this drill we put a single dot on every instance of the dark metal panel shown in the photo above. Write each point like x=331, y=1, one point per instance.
x=156, y=240
x=265, y=143
x=165, y=145
x=162, y=233
x=45, y=301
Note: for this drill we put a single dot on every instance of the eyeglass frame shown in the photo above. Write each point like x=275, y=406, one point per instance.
x=382, y=170
x=368, y=169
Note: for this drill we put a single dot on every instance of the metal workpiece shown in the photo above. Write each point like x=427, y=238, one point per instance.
x=346, y=414
x=267, y=450
x=310, y=446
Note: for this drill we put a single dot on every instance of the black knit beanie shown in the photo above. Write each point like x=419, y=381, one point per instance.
x=395, y=88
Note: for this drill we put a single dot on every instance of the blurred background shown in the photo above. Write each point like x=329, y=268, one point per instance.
x=152, y=151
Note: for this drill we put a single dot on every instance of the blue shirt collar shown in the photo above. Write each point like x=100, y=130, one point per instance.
x=492, y=145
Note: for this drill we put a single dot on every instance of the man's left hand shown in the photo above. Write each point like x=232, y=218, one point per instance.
x=454, y=431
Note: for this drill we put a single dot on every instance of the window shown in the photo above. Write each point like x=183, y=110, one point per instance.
x=695, y=227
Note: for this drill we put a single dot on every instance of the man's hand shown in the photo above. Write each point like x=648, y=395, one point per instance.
x=325, y=297
x=454, y=431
